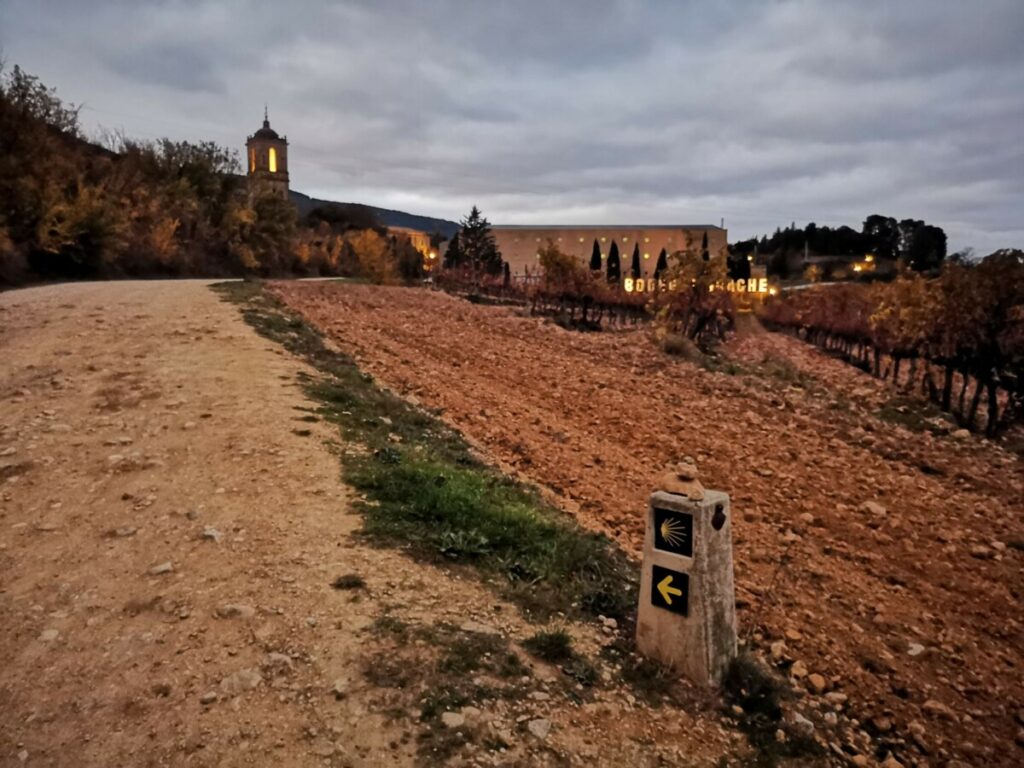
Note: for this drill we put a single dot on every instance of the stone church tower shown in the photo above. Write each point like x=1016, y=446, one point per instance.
x=268, y=161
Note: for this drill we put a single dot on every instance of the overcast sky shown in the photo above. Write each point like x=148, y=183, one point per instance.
x=561, y=111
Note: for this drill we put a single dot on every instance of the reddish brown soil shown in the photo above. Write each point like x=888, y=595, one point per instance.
x=914, y=614
x=144, y=424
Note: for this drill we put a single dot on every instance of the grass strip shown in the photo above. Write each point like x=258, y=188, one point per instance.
x=425, y=491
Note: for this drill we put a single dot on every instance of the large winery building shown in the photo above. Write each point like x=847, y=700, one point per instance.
x=519, y=244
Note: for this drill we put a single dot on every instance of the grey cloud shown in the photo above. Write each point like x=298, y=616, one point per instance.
x=583, y=111
x=176, y=66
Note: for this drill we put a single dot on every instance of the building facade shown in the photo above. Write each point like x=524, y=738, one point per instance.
x=267, y=153
x=519, y=245
x=420, y=240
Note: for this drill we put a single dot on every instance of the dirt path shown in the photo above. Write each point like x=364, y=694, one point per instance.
x=171, y=519
x=904, y=583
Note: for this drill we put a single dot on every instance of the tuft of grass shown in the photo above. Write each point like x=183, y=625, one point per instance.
x=554, y=645
x=650, y=679
x=754, y=688
x=429, y=494
x=349, y=581
x=783, y=369
x=450, y=669
x=912, y=414
x=387, y=671
x=760, y=694
x=581, y=670
x=390, y=625
x=678, y=345
x=469, y=652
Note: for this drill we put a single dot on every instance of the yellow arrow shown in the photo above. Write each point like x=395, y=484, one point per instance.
x=667, y=590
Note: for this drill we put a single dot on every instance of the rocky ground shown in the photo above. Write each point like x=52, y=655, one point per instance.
x=878, y=553
x=172, y=519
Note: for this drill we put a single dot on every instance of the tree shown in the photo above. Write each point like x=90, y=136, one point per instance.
x=507, y=276
x=453, y=257
x=925, y=245
x=479, y=249
x=778, y=265
x=614, y=267
x=39, y=103
x=408, y=259
x=634, y=267
x=704, y=253
x=662, y=264
x=376, y=260
x=883, y=235
x=272, y=232
x=595, y=257
x=694, y=306
x=85, y=231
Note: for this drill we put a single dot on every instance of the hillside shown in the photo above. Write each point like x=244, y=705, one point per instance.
x=389, y=218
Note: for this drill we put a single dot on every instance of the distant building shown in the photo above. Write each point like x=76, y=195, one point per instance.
x=421, y=242
x=519, y=245
x=268, y=161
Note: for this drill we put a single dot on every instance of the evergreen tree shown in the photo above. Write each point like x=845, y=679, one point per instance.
x=453, y=257
x=595, y=257
x=408, y=258
x=704, y=254
x=507, y=280
x=662, y=264
x=614, y=267
x=634, y=268
x=477, y=244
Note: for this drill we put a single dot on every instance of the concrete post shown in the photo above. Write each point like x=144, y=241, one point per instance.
x=687, y=616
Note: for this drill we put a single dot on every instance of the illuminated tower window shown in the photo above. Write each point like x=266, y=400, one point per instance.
x=272, y=162
x=252, y=160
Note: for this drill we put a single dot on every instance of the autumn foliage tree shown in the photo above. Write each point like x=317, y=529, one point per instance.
x=695, y=304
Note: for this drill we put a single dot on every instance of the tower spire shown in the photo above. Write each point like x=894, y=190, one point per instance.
x=266, y=120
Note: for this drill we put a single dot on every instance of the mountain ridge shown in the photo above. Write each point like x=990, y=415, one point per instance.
x=386, y=216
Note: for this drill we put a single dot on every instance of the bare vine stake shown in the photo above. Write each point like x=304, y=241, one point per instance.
x=768, y=594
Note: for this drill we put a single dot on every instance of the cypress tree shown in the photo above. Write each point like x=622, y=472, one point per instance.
x=614, y=267
x=662, y=264
x=634, y=268
x=704, y=247
x=595, y=257
x=508, y=275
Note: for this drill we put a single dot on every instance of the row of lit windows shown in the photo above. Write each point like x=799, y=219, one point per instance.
x=583, y=239
x=605, y=255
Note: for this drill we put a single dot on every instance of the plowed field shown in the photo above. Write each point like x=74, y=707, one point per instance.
x=909, y=606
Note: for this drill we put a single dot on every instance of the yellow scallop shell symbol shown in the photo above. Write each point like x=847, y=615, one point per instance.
x=673, y=532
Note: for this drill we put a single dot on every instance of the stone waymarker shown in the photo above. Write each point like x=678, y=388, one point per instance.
x=687, y=616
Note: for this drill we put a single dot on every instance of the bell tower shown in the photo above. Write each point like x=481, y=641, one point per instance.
x=268, y=161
